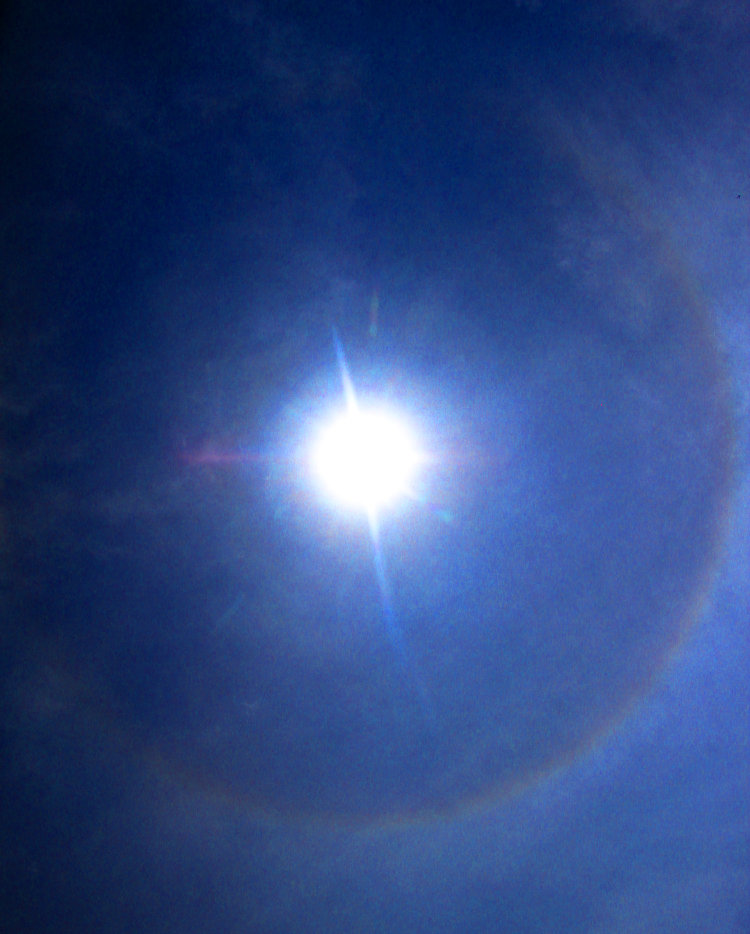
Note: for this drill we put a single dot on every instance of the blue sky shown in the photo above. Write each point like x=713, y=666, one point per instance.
x=524, y=706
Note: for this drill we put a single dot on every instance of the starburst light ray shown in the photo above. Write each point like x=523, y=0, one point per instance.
x=365, y=459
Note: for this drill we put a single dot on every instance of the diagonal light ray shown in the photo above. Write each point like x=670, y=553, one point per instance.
x=349, y=394
x=393, y=629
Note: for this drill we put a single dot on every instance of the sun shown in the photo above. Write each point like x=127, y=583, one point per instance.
x=365, y=459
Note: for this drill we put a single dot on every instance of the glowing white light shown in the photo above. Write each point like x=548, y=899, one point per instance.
x=365, y=459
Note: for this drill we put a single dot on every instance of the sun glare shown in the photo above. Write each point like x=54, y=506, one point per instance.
x=365, y=459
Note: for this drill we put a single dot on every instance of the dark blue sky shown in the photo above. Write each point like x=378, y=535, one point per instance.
x=530, y=226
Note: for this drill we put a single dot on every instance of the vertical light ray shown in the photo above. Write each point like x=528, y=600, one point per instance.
x=395, y=635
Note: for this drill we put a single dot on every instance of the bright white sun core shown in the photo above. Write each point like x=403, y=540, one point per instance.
x=365, y=459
